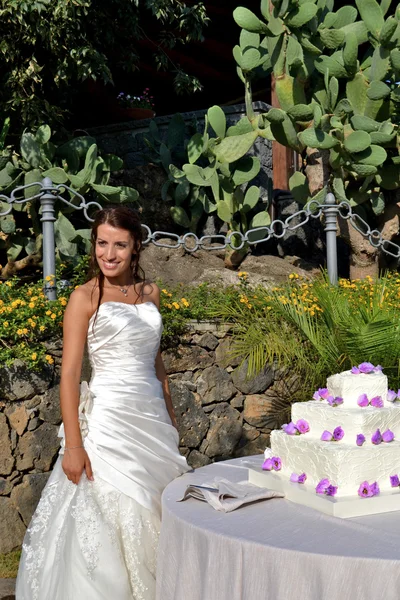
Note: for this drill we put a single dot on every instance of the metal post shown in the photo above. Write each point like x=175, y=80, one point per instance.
x=49, y=254
x=331, y=231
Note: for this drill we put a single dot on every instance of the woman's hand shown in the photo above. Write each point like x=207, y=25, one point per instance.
x=76, y=461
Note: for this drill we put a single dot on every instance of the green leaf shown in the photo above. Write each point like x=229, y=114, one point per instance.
x=363, y=123
x=338, y=188
x=175, y=172
x=128, y=194
x=298, y=186
x=195, y=147
x=180, y=217
x=251, y=198
x=378, y=90
x=374, y=155
x=389, y=177
x=165, y=155
x=34, y=176
x=327, y=63
x=301, y=112
x=246, y=169
x=248, y=20
x=106, y=190
x=378, y=203
x=332, y=38
x=234, y=147
x=294, y=53
x=30, y=150
x=249, y=40
x=302, y=15
x=112, y=163
x=315, y=138
x=345, y=16
x=182, y=191
x=242, y=126
x=15, y=247
x=395, y=59
x=7, y=224
x=197, y=175
x=363, y=170
x=43, y=134
x=371, y=14
x=276, y=115
x=388, y=30
x=56, y=174
x=217, y=120
x=333, y=92
x=261, y=219
x=350, y=52
x=380, y=63
x=223, y=211
x=356, y=90
x=357, y=141
x=250, y=59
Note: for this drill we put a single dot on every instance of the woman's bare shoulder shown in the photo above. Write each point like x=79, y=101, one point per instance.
x=149, y=291
x=84, y=297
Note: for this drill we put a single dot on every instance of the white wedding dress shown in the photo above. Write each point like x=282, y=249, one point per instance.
x=98, y=540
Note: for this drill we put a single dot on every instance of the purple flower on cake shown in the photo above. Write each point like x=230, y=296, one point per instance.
x=364, y=491
x=338, y=433
x=377, y=402
x=387, y=436
x=326, y=436
x=322, y=486
x=394, y=481
x=277, y=463
x=366, y=367
x=290, y=428
x=272, y=464
x=298, y=478
x=331, y=490
x=302, y=426
x=377, y=437
x=321, y=394
x=374, y=487
x=363, y=400
x=267, y=464
x=360, y=439
x=392, y=395
x=334, y=401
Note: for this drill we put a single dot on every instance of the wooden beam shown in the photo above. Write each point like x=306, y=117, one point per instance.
x=282, y=157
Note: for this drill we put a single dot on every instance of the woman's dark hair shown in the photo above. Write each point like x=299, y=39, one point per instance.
x=122, y=218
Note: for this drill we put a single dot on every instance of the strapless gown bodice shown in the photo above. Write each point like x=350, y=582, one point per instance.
x=98, y=539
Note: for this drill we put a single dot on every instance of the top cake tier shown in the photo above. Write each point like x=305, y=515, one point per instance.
x=350, y=387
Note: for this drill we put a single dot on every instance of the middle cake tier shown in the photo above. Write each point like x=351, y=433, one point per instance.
x=353, y=420
x=345, y=465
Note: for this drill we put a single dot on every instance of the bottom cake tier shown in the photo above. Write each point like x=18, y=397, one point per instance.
x=346, y=466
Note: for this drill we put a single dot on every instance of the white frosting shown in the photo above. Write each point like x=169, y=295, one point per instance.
x=348, y=386
x=345, y=465
x=353, y=420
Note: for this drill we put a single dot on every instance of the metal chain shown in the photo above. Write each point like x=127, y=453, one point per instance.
x=236, y=240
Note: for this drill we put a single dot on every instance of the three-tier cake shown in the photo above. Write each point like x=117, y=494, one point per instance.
x=341, y=451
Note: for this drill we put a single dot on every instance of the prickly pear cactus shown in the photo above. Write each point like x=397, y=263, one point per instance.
x=76, y=164
x=215, y=173
x=337, y=76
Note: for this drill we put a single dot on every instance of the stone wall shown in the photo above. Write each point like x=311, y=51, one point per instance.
x=220, y=415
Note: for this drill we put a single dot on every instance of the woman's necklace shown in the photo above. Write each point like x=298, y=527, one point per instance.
x=123, y=289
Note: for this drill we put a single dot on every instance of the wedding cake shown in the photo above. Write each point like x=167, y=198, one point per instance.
x=345, y=443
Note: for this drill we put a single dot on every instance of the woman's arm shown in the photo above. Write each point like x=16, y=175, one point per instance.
x=160, y=368
x=75, y=326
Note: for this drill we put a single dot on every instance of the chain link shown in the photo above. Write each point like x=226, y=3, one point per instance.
x=236, y=240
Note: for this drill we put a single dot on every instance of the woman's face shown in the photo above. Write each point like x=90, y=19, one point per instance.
x=114, y=248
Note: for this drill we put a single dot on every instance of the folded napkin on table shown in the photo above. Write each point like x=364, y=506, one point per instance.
x=226, y=496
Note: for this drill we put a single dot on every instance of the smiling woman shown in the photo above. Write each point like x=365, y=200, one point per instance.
x=95, y=531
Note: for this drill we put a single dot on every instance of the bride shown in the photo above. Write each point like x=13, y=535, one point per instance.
x=95, y=531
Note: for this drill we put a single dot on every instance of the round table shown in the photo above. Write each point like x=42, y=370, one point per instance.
x=271, y=550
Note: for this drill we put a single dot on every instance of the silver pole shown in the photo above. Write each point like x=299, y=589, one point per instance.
x=331, y=231
x=49, y=252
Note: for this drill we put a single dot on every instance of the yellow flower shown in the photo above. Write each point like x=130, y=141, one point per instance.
x=9, y=283
x=164, y=291
x=33, y=324
x=48, y=312
x=168, y=305
x=49, y=277
x=42, y=328
x=76, y=287
x=31, y=305
x=34, y=356
x=53, y=316
x=176, y=305
x=49, y=359
x=19, y=332
x=25, y=331
x=5, y=324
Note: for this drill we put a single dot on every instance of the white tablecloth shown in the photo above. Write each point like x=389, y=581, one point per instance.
x=272, y=550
